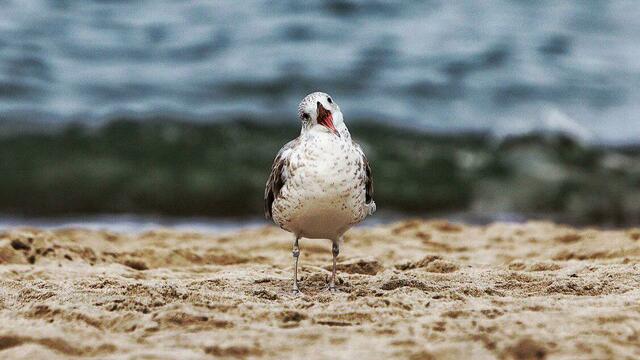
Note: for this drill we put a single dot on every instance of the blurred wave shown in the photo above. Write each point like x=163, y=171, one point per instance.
x=502, y=66
x=168, y=167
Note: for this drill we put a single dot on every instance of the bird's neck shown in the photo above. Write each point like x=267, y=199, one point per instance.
x=319, y=129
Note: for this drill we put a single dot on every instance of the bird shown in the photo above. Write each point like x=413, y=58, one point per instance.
x=320, y=183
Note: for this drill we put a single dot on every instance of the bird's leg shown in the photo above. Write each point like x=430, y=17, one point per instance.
x=296, y=254
x=335, y=250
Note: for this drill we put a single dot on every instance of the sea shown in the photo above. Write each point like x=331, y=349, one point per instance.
x=485, y=110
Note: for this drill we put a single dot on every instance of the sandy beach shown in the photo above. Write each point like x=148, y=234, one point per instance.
x=412, y=290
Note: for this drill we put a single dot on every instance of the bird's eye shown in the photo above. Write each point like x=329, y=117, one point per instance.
x=329, y=100
x=305, y=116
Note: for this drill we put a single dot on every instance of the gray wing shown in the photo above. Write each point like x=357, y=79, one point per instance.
x=277, y=178
x=368, y=181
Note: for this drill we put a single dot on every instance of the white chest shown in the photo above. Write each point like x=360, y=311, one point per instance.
x=324, y=164
x=325, y=192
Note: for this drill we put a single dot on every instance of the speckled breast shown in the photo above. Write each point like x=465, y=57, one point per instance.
x=325, y=192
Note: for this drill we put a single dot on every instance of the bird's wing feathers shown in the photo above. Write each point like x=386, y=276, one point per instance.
x=278, y=177
x=367, y=173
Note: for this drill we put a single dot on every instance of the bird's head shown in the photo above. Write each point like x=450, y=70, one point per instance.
x=319, y=109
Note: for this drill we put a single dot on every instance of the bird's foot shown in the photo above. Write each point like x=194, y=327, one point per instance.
x=296, y=291
x=331, y=288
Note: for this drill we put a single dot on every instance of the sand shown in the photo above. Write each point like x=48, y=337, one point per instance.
x=411, y=290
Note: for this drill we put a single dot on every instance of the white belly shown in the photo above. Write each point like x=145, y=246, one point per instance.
x=325, y=192
x=321, y=219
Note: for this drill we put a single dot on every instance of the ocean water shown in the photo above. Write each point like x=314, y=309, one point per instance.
x=477, y=110
x=503, y=66
x=133, y=223
x=186, y=169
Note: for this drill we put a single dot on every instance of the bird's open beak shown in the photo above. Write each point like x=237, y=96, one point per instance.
x=326, y=119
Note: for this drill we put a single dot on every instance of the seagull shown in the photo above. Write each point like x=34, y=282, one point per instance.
x=320, y=183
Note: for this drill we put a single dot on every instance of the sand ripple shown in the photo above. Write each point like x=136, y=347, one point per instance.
x=416, y=289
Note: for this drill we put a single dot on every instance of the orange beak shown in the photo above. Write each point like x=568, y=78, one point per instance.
x=326, y=119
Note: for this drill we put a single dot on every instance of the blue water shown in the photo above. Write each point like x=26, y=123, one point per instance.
x=503, y=66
